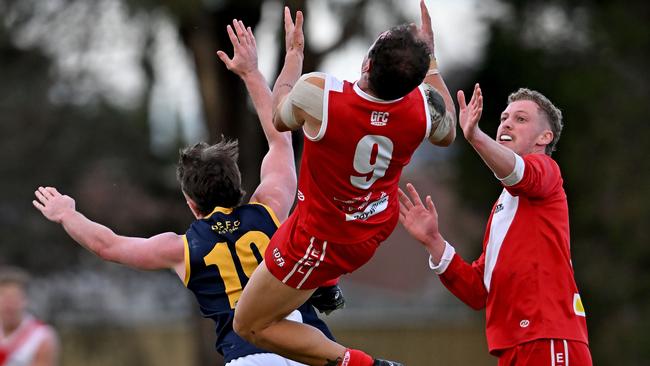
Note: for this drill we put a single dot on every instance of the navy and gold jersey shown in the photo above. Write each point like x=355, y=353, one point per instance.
x=221, y=252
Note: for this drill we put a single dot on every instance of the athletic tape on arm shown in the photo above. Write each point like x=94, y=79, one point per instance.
x=286, y=114
x=308, y=96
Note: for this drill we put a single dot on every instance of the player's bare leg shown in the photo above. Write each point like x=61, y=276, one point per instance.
x=259, y=318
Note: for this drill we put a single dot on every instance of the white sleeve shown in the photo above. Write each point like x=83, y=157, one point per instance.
x=517, y=172
x=286, y=114
x=447, y=256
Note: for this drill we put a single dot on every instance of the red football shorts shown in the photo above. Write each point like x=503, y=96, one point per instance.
x=547, y=352
x=303, y=261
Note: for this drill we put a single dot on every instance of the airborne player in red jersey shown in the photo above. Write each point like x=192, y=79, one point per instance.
x=358, y=137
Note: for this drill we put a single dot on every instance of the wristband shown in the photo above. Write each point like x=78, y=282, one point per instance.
x=433, y=67
x=433, y=72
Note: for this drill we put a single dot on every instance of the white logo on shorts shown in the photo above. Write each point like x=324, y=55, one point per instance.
x=277, y=257
x=524, y=323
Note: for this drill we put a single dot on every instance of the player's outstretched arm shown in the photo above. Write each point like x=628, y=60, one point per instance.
x=283, y=117
x=462, y=279
x=434, y=78
x=498, y=158
x=162, y=251
x=277, y=187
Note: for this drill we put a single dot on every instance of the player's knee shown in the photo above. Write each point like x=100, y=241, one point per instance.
x=244, y=329
x=240, y=328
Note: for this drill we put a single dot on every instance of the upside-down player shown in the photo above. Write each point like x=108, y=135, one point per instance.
x=358, y=137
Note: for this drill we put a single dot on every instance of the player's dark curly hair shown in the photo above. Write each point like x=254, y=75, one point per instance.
x=399, y=63
x=209, y=175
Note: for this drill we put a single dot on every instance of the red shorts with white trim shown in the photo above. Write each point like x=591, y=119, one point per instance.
x=303, y=261
x=547, y=352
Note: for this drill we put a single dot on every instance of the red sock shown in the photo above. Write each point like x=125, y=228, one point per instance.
x=331, y=282
x=355, y=357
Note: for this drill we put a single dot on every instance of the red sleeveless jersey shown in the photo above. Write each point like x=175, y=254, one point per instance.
x=347, y=190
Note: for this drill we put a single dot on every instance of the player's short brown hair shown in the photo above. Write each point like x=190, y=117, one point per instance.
x=552, y=113
x=209, y=175
x=10, y=275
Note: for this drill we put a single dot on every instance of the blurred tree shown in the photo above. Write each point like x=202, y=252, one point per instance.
x=73, y=148
x=202, y=24
x=589, y=58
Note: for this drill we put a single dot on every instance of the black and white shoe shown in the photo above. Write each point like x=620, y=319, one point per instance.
x=328, y=299
x=379, y=362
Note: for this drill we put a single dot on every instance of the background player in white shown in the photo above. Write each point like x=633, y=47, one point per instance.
x=24, y=341
x=524, y=276
x=359, y=136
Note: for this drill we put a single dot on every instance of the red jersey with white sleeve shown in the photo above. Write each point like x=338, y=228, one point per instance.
x=524, y=277
x=20, y=347
x=347, y=189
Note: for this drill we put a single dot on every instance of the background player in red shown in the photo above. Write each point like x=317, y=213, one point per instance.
x=524, y=276
x=228, y=239
x=358, y=137
x=24, y=341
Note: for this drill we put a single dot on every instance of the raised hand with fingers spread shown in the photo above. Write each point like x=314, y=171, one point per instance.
x=421, y=221
x=470, y=114
x=244, y=59
x=52, y=204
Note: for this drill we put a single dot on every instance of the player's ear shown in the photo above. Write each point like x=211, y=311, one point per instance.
x=365, y=66
x=545, y=138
